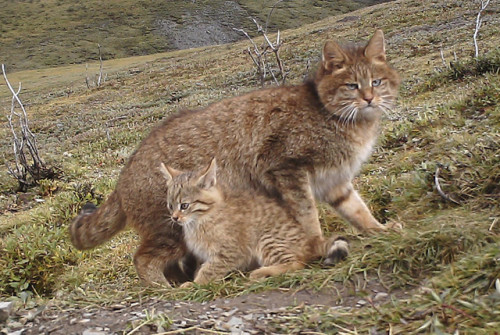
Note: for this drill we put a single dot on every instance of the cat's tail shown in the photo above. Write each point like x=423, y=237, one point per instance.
x=94, y=226
x=332, y=250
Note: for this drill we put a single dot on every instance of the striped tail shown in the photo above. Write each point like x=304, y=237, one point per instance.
x=94, y=226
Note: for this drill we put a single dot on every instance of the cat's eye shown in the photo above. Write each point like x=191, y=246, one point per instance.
x=171, y=207
x=184, y=206
x=352, y=86
x=376, y=82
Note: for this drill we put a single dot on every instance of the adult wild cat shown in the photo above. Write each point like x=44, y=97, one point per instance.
x=293, y=143
x=228, y=231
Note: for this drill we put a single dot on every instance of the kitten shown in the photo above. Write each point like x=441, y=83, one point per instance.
x=233, y=231
x=294, y=144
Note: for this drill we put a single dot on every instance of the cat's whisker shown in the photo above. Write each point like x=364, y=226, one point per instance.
x=347, y=114
x=340, y=113
x=353, y=116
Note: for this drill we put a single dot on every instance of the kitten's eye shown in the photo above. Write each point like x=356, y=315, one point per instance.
x=171, y=207
x=376, y=82
x=184, y=206
x=352, y=86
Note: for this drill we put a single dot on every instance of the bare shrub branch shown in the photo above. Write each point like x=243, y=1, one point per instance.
x=479, y=22
x=440, y=191
x=27, y=171
x=259, y=54
x=99, y=77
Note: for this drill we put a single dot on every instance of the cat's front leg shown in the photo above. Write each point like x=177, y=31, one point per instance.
x=296, y=193
x=351, y=207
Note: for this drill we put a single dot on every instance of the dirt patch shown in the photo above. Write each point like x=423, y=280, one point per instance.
x=259, y=313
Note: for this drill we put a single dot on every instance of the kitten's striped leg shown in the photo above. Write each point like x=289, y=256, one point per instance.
x=213, y=269
x=274, y=270
x=349, y=204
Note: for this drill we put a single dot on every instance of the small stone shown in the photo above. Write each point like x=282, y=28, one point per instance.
x=15, y=324
x=116, y=307
x=84, y=321
x=248, y=317
x=5, y=310
x=207, y=323
x=230, y=313
x=93, y=332
x=380, y=296
x=361, y=302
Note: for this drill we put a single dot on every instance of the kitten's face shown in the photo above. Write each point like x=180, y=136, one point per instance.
x=355, y=83
x=186, y=203
x=191, y=194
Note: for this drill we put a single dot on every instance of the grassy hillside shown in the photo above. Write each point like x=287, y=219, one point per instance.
x=37, y=34
x=443, y=266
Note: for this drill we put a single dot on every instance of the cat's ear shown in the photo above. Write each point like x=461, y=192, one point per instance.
x=375, y=49
x=333, y=56
x=209, y=177
x=168, y=172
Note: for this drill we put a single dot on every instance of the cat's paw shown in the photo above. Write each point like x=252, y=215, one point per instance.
x=394, y=226
x=187, y=284
x=338, y=251
x=259, y=273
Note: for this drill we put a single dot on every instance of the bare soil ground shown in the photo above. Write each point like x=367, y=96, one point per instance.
x=259, y=313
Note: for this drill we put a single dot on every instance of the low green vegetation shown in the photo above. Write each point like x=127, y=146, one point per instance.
x=444, y=266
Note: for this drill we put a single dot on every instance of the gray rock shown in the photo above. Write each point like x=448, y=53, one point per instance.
x=17, y=332
x=93, y=332
x=361, y=302
x=380, y=296
x=5, y=310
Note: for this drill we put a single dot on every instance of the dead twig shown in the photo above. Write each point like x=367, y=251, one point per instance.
x=464, y=313
x=99, y=78
x=438, y=187
x=479, y=22
x=493, y=224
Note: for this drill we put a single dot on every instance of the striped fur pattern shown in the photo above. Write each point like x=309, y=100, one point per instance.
x=233, y=232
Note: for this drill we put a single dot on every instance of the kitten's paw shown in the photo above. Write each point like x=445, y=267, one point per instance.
x=259, y=273
x=338, y=251
x=394, y=226
x=187, y=284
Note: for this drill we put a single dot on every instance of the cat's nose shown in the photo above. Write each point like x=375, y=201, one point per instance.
x=368, y=98
x=175, y=218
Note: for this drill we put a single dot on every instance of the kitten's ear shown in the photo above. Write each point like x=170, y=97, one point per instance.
x=168, y=172
x=333, y=55
x=209, y=177
x=375, y=49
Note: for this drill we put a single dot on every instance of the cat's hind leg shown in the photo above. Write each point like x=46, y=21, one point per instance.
x=157, y=260
x=296, y=195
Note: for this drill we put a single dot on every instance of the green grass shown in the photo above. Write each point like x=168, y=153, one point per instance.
x=446, y=257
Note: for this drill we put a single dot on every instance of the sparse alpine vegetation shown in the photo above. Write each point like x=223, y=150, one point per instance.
x=38, y=34
x=442, y=271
